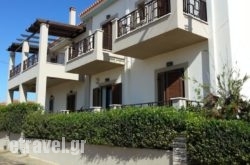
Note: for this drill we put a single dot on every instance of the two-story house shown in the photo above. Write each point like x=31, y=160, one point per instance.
x=123, y=52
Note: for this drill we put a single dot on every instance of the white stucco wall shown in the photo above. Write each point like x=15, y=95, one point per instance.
x=229, y=35
x=122, y=7
x=140, y=75
x=238, y=13
x=60, y=94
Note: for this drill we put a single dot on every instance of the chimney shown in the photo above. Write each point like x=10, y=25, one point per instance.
x=72, y=16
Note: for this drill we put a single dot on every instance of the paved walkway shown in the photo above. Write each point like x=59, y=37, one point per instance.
x=7, y=158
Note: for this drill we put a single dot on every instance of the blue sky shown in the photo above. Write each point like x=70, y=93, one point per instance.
x=18, y=15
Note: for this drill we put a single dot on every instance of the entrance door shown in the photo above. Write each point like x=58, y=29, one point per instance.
x=107, y=35
x=170, y=84
x=106, y=95
x=71, y=102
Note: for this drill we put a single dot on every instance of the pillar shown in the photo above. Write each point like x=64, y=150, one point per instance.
x=41, y=80
x=10, y=95
x=11, y=62
x=22, y=93
x=25, y=53
x=98, y=43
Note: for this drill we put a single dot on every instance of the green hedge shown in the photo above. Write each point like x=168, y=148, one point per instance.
x=146, y=128
x=209, y=141
x=12, y=116
x=218, y=142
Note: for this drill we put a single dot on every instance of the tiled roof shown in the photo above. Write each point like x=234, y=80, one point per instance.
x=96, y=3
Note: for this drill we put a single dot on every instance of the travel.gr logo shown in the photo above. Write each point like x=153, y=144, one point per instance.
x=24, y=146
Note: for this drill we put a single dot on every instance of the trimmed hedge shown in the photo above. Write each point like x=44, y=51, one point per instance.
x=209, y=141
x=218, y=142
x=142, y=128
x=12, y=116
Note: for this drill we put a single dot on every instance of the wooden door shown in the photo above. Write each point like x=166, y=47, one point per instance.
x=117, y=94
x=71, y=102
x=97, y=97
x=107, y=35
x=174, y=84
x=170, y=84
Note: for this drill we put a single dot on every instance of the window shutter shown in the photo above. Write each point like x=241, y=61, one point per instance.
x=97, y=97
x=117, y=94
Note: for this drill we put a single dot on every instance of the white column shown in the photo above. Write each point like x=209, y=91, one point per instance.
x=25, y=53
x=11, y=61
x=66, y=55
x=114, y=30
x=41, y=80
x=98, y=41
x=22, y=93
x=10, y=95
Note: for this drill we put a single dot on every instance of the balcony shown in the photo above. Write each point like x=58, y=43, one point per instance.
x=15, y=71
x=30, y=61
x=92, y=55
x=161, y=26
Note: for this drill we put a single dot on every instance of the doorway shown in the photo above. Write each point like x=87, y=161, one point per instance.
x=170, y=84
x=104, y=96
x=107, y=35
x=71, y=102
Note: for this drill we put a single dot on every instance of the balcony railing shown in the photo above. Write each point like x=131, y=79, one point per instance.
x=81, y=47
x=143, y=15
x=196, y=8
x=30, y=61
x=15, y=71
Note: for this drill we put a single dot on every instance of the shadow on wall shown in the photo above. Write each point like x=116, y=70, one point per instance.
x=97, y=154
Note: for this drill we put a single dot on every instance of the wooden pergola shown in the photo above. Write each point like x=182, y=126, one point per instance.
x=57, y=29
x=15, y=47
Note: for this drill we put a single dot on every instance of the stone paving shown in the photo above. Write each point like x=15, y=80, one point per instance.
x=7, y=158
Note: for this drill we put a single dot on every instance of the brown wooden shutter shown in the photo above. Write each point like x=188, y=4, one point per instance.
x=203, y=11
x=97, y=97
x=161, y=87
x=175, y=84
x=117, y=94
x=107, y=36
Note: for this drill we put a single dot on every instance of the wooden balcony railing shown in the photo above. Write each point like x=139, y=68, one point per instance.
x=81, y=47
x=15, y=71
x=143, y=15
x=196, y=8
x=30, y=61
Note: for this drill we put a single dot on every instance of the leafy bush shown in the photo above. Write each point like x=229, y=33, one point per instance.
x=2, y=113
x=131, y=127
x=13, y=115
x=209, y=141
x=218, y=142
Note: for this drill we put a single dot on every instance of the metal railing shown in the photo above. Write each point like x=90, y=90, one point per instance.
x=196, y=8
x=30, y=61
x=143, y=15
x=15, y=71
x=81, y=47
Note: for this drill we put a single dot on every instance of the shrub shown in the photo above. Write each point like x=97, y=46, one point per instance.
x=2, y=113
x=13, y=116
x=131, y=127
x=209, y=141
x=218, y=142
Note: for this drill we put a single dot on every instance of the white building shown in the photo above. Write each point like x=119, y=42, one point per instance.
x=130, y=52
